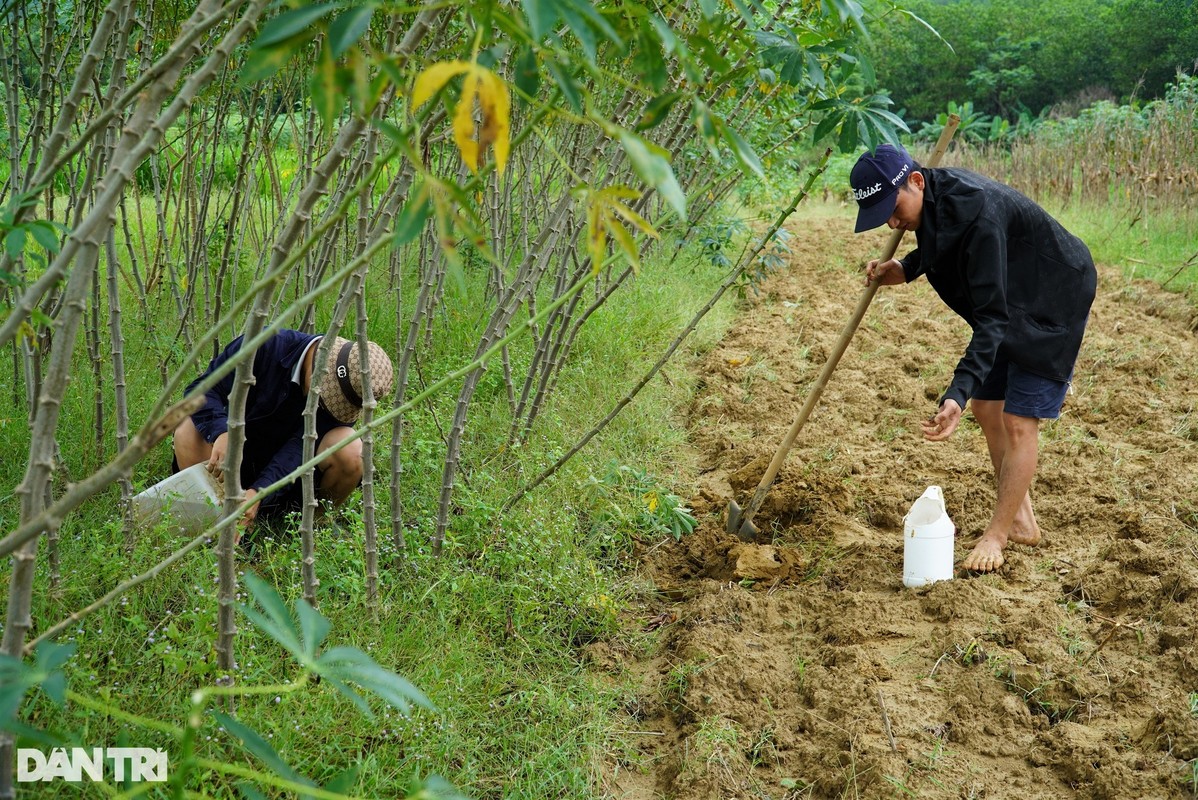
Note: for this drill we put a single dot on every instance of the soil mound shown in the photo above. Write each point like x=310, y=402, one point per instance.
x=799, y=666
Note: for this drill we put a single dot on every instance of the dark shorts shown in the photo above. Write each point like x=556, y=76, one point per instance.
x=1026, y=394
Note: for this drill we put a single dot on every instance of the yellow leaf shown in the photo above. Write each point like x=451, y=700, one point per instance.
x=635, y=218
x=463, y=121
x=596, y=236
x=26, y=332
x=430, y=81
x=624, y=239
x=496, y=105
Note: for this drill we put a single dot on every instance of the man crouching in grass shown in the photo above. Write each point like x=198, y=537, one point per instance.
x=274, y=419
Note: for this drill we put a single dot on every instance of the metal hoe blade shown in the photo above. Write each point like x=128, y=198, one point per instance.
x=738, y=526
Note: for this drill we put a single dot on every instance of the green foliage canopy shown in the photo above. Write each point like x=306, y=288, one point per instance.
x=1009, y=56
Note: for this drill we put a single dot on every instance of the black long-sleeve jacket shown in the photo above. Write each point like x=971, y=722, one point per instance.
x=1022, y=282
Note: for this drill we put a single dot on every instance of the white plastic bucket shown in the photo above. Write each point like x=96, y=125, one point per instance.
x=191, y=498
x=927, y=540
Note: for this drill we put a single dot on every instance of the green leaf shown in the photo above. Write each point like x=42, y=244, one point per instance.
x=647, y=58
x=263, y=62
x=527, y=76
x=745, y=12
x=249, y=791
x=744, y=152
x=447, y=238
x=657, y=110
x=706, y=123
x=388, y=67
x=627, y=244
x=709, y=8
x=826, y=126
x=351, y=664
x=784, y=55
x=273, y=620
x=542, y=16
x=28, y=733
x=848, y=137
x=259, y=748
x=868, y=76
x=585, y=8
x=313, y=626
x=815, y=71
x=45, y=234
x=18, y=676
x=14, y=682
x=327, y=97
x=413, y=216
x=709, y=53
x=668, y=40
x=55, y=687
x=51, y=656
x=14, y=243
x=652, y=165
x=391, y=131
x=578, y=24
x=41, y=318
x=565, y=81
x=847, y=10
x=348, y=27
x=289, y=23
x=442, y=789
x=342, y=782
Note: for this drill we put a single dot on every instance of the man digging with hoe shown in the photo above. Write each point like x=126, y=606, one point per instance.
x=1022, y=282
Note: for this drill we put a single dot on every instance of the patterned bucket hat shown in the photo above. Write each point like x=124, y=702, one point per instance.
x=341, y=386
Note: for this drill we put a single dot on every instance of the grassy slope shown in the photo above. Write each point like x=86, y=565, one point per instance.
x=490, y=632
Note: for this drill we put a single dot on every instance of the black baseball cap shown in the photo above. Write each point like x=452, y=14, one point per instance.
x=876, y=178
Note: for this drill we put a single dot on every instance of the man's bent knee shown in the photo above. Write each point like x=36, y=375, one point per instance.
x=190, y=447
x=348, y=459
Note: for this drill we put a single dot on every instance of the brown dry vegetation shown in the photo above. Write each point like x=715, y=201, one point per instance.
x=802, y=667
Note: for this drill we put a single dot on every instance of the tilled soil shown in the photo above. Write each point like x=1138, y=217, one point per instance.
x=800, y=666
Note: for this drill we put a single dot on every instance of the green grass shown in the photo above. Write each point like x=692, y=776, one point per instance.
x=491, y=631
x=1161, y=246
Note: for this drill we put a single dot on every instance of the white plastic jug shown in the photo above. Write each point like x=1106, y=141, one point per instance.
x=191, y=497
x=927, y=540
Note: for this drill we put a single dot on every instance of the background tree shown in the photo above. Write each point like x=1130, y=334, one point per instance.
x=1011, y=54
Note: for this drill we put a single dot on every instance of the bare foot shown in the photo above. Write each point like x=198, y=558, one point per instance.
x=1020, y=535
x=1026, y=530
x=987, y=554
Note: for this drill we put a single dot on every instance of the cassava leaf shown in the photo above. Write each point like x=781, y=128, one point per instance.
x=348, y=27
x=413, y=216
x=258, y=747
x=432, y=79
x=651, y=164
x=313, y=626
x=263, y=62
x=274, y=619
x=325, y=88
x=289, y=23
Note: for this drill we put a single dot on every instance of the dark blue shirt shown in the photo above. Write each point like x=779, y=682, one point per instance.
x=274, y=410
